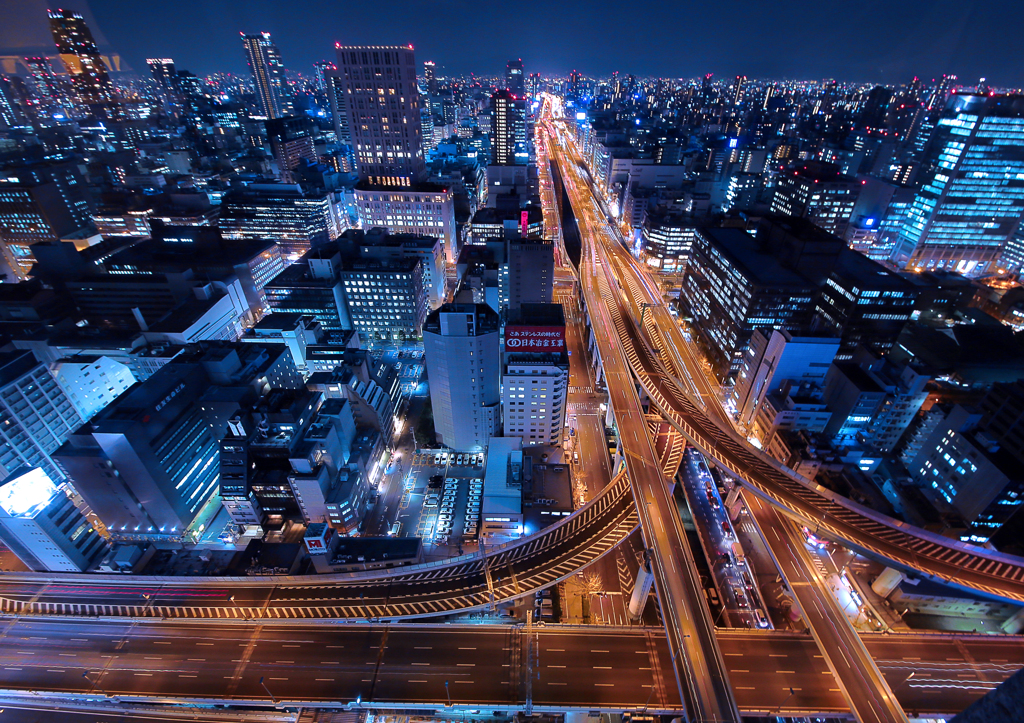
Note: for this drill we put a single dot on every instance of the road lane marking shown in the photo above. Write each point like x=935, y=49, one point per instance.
x=599, y=651
x=605, y=685
x=557, y=683
x=421, y=663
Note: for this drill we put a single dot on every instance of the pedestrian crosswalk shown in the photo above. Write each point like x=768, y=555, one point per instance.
x=581, y=390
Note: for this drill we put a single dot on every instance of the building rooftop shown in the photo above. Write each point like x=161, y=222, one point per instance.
x=868, y=274
x=748, y=254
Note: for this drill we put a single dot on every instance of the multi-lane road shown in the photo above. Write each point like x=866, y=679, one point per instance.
x=699, y=666
x=552, y=668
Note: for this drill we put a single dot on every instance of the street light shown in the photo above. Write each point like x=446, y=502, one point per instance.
x=95, y=684
x=272, y=698
x=448, y=694
x=792, y=692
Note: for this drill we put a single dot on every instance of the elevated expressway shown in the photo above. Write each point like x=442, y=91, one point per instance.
x=683, y=395
x=651, y=341
x=698, y=665
x=469, y=582
x=494, y=667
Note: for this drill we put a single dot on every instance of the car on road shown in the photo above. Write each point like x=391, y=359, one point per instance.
x=430, y=501
x=762, y=620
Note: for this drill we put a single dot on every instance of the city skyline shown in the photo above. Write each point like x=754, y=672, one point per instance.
x=708, y=382
x=796, y=41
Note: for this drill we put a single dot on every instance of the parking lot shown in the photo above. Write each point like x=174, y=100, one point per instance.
x=446, y=517
x=410, y=369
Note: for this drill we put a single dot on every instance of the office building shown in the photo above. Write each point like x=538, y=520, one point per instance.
x=37, y=415
x=424, y=211
x=46, y=87
x=461, y=352
x=321, y=71
x=515, y=81
x=296, y=331
x=92, y=382
x=376, y=243
x=272, y=93
x=81, y=58
x=291, y=142
x=962, y=467
x=382, y=102
x=296, y=219
x=163, y=72
x=148, y=464
x=776, y=359
x=41, y=525
x=854, y=397
x=905, y=394
x=247, y=265
x=339, y=105
x=383, y=106
x=535, y=374
x=734, y=285
x=971, y=199
x=41, y=201
x=430, y=77
x=501, y=510
x=312, y=289
x=531, y=272
x=864, y=303
x=508, y=128
x=819, y=192
x=666, y=240
x=384, y=298
x=370, y=384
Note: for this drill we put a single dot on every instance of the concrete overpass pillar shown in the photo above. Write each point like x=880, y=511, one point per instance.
x=887, y=582
x=641, y=589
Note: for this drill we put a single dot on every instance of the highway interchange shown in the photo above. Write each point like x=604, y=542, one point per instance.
x=652, y=374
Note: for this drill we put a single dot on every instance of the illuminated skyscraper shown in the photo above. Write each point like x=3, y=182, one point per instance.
x=574, y=86
x=383, y=106
x=739, y=89
x=163, y=71
x=429, y=78
x=322, y=68
x=268, y=75
x=45, y=85
x=505, y=117
x=81, y=57
x=515, y=82
x=941, y=91
x=291, y=142
x=972, y=196
x=819, y=192
x=533, y=84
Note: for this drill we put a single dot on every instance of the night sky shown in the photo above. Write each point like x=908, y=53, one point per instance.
x=886, y=41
